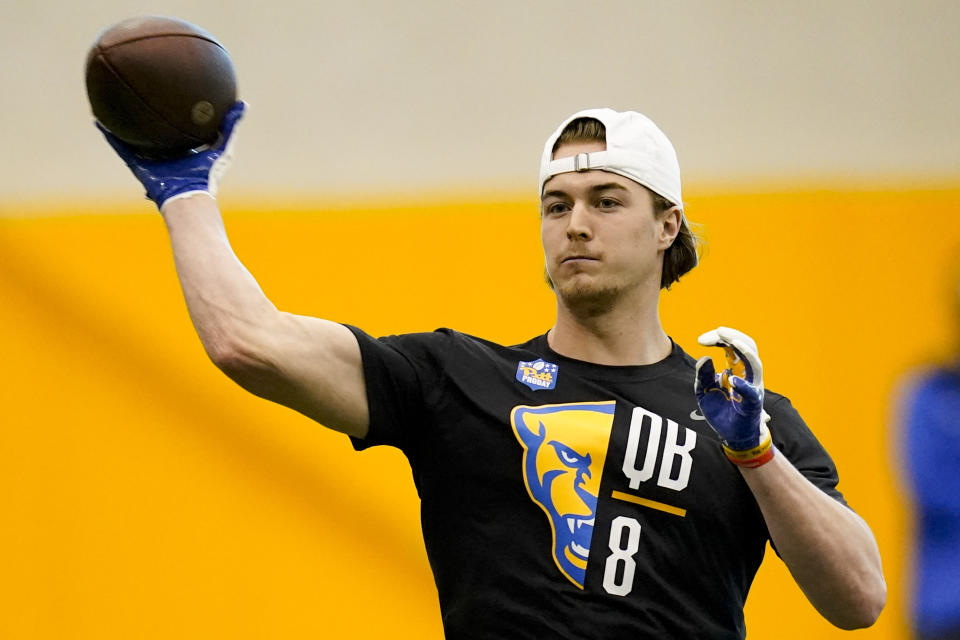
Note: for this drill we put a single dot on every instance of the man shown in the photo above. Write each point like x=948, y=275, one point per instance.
x=570, y=486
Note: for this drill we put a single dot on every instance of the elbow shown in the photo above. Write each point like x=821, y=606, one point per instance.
x=240, y=361
x=866, y=609
x=227, y=356
x=874, y=605
x=250, y=354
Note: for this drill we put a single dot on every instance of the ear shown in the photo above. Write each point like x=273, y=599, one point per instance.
x=670, y=221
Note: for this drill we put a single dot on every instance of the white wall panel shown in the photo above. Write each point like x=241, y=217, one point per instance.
x=377, y=96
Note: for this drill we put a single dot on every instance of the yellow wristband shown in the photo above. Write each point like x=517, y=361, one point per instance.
x=756, y=456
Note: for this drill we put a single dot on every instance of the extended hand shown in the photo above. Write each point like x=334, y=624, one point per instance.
x=199, y=171
x=732, y=400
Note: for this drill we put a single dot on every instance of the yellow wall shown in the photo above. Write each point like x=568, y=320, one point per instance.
x=146, y=496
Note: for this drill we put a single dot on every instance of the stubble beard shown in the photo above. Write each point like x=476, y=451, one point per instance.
x=587, y=299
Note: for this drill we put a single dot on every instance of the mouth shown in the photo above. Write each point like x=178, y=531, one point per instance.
x=575, y=525
x=578, y=259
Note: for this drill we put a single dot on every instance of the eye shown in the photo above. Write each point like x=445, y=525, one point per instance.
x=555, y=208
x=570, y=457
x=607, y=203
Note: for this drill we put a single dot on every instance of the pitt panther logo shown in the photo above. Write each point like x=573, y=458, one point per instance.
x=565, y=446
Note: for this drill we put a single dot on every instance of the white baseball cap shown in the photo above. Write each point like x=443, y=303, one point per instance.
x=636, y=149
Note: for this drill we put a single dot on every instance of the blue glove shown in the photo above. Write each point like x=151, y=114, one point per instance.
x=199, y=171
x=732, y=400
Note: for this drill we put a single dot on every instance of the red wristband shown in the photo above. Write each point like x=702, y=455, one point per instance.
x=755, y=457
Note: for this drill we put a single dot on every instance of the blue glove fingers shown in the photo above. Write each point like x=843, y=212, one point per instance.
x=750, y=400
x=706, y=379
x=232, y=117
x=230, y=120
x=736, y=419
x=732, y=401
x=711, y=396
x=744, y=432
x=713, y=400
x=122, y=148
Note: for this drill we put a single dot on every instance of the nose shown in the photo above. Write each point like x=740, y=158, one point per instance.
x=578, y=223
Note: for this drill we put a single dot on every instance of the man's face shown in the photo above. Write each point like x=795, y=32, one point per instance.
x=600, y=235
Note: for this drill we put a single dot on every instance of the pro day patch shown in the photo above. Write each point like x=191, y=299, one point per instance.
x=538, y=375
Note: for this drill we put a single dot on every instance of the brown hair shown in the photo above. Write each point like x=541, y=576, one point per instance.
x=682, y=255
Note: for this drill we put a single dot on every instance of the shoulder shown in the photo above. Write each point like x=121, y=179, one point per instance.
x=774, y=400
x=788, y=428
x=792, y=435
x=443, y=345
x=781, y=409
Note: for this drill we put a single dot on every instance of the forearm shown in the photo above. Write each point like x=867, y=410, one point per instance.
x=225, y=303
x=829, y=549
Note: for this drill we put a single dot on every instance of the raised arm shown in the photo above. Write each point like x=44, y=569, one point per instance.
x=828, y=548
x=307, y=364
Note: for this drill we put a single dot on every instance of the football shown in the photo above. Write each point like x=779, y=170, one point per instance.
x=160, y=84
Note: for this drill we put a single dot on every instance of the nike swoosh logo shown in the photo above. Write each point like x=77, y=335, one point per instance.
x=696, y=415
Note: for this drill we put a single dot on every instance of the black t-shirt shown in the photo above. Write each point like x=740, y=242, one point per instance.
x=565, y=499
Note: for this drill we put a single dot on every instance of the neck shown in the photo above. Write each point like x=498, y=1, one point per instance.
x=628, y=333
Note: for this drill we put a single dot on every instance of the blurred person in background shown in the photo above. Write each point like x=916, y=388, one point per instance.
x=931, y=450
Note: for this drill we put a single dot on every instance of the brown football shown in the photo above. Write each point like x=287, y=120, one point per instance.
x=160, y=84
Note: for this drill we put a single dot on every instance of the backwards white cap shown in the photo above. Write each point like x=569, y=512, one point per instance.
x=636, y=149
